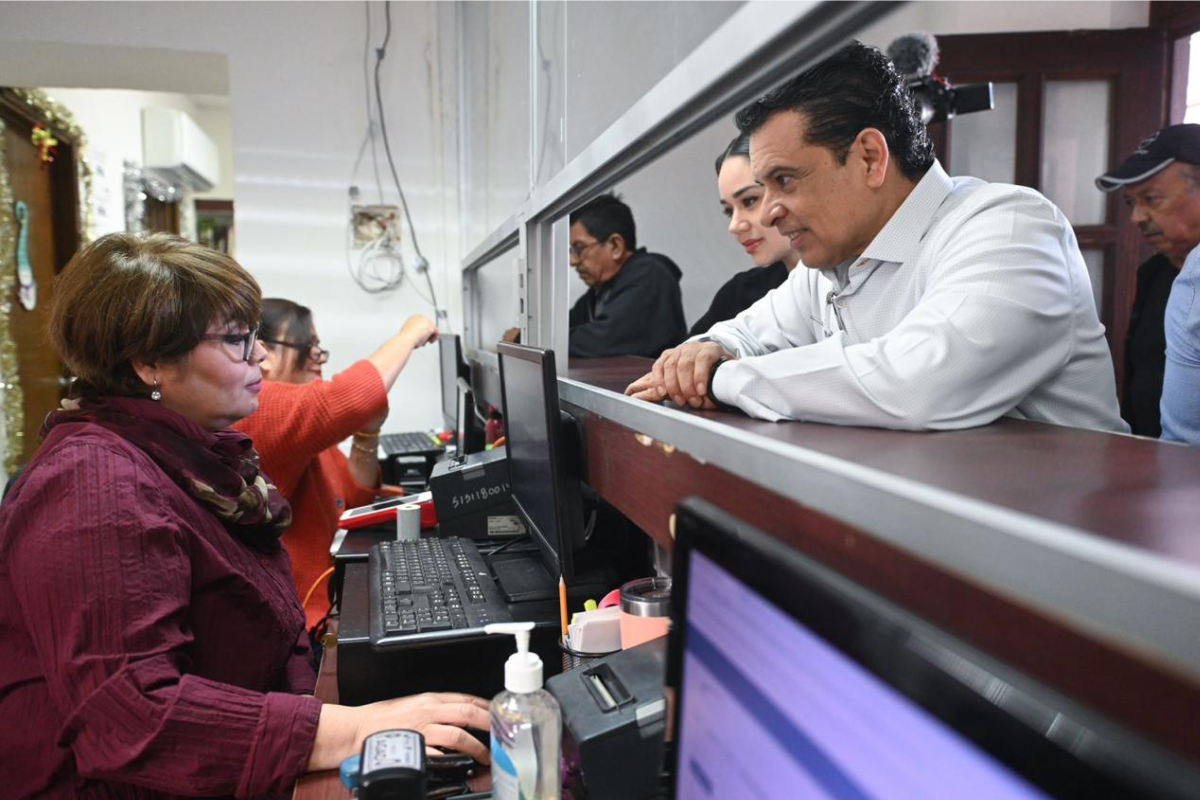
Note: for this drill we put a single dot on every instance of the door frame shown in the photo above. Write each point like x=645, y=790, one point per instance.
x=64, y=174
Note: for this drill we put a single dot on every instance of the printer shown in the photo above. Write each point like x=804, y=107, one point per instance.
x=614, y=712
x=473, y=498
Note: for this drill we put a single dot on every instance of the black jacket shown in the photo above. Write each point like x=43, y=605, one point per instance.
x=637, y=313
x=1146, y=347
x=739, y=293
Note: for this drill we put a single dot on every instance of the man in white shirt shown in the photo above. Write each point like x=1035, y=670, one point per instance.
x=928, y=302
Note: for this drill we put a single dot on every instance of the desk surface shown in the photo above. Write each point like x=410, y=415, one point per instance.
x=1004, y=535
x=325, y=785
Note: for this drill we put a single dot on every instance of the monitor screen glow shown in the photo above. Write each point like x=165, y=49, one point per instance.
x=771, y=710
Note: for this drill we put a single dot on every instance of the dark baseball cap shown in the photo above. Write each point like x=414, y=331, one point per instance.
x=1176, y=143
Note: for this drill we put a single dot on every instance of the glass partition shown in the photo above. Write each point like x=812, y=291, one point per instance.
x=678, y=214
x=496, y=282
x=985, y=144
x=590, y=65
x=615, y=52
x=1074, y=154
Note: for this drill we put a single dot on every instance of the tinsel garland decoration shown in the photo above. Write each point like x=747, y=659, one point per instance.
x=56, y=117
x=11, y=397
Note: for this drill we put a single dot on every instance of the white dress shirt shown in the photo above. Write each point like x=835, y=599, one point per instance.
x=973, y=302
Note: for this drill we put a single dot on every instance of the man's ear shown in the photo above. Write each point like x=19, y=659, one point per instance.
x=617, y=244
x=871, y=149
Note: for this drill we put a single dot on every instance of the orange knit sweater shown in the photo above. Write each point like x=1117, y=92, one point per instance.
x=296, y=431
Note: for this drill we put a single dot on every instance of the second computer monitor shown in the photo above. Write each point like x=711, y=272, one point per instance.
x=450, y=352
x=467, y=430
x=542, y=468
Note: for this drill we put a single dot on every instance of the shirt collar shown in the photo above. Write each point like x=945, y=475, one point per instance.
x=900, y=239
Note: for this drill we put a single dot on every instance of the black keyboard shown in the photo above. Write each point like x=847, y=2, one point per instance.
x=415, y=443
x=431, y=589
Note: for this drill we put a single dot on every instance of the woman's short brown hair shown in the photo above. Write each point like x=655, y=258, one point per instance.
x=148, y=298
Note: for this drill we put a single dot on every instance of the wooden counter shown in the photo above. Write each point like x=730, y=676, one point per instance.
x=1073, y=555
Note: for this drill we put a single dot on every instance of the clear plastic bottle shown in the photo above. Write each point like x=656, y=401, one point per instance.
x=526, y=727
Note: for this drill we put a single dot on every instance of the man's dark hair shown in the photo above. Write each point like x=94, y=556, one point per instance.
x=740, y=146
x=855, y=88
x=605, y=215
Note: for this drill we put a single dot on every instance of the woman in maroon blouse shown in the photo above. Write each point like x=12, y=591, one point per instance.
x=152, y=641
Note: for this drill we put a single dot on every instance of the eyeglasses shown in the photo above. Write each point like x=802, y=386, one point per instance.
x=579, y=248
x=233, y=341
x=311, y=349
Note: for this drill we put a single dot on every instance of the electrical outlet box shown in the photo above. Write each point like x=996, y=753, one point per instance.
x=375, y=224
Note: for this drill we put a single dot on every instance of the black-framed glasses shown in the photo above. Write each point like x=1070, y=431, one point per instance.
x=312, y=349
x=234, y=340
x=579, y=248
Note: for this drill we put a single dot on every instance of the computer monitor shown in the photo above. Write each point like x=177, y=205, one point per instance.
x=794, y=682
x=468, y=432
x=543, y=465
x=452, y=368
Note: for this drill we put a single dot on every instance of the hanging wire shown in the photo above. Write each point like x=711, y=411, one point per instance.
x=422, y=264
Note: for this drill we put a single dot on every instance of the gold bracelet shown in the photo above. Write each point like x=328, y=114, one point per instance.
x=367, y=434
x=371, y=451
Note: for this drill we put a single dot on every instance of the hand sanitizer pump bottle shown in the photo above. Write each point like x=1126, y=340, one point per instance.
x=526, y=726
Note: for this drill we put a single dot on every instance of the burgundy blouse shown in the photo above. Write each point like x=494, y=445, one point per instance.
x=144, y=651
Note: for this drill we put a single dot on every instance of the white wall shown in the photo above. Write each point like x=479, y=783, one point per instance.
x=214, y=118
x=295, y=82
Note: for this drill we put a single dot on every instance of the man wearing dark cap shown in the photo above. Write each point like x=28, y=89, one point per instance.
x=1160, y=182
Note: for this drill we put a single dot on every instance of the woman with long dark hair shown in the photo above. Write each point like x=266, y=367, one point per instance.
x=302, y=418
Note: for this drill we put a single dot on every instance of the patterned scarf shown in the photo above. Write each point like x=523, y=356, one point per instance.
x=219, y=469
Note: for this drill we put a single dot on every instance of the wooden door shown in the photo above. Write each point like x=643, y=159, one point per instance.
x=50, y=193
x=1069, y=106
x=162, y=216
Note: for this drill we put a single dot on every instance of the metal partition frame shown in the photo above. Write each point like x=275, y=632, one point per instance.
x=485, y=367
x=759, y=46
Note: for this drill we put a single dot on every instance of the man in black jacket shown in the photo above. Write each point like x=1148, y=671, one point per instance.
x=1160, y=182
x=633, y=305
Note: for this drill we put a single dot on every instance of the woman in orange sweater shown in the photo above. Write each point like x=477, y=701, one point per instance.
x=301, y=419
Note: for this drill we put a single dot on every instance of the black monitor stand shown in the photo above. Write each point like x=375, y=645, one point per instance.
x=523, y=577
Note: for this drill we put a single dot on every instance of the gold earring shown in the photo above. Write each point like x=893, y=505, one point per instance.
x=155, y=395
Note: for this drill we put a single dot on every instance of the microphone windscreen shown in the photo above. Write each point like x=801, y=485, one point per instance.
x=914, y=54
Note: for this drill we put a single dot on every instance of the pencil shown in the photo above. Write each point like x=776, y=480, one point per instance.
x=562, y=605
